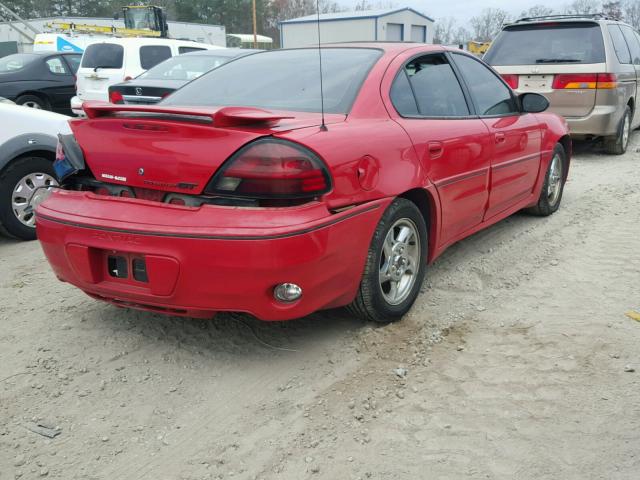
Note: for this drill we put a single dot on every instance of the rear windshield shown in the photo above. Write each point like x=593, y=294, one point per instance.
x=283, y=80
x=103, y=55
x=566, y=43
x=15, y=62
x=184, y=67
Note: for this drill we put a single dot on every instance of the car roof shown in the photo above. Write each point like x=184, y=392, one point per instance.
x=387, y=47
x=47, y=53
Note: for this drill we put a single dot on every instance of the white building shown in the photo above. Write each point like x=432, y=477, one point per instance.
x=394, y=24
x=198, y=32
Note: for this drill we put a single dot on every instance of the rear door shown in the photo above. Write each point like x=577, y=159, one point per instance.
x=632, y=69
x=451, y=142
x=102, y=65
x=61, y=84
x=515, y=137
x=554, y=59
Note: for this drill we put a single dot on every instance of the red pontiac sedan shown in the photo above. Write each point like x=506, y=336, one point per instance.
x=233, y=194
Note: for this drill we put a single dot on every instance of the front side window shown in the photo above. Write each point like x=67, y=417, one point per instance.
x=152, y=55
x=103, y=55
x=56, y=66
x=74, y=62
x=619, y=44
x=431, y=82
x=283, y=80
x=490, y=95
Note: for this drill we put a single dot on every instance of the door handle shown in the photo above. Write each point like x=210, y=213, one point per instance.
x=500, y=137
x=435, y=149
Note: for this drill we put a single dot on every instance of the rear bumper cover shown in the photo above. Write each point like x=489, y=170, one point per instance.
x=603, y=120
x=208, y=259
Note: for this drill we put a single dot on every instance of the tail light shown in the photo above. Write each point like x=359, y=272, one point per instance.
x=127, y=78
x=272, y=168
x=115, y=97
x=585, y=81
x=512, y=80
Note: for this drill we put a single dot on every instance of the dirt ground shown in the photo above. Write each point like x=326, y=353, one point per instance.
x=513, y=364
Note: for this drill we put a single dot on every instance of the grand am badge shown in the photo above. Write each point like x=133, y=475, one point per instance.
x=108, y=176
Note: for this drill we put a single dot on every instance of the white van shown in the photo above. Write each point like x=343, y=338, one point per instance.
x=115, y=60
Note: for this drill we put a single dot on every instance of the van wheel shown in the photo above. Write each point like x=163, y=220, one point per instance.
x=395, y=266
x=32, y=101
x=618, y=145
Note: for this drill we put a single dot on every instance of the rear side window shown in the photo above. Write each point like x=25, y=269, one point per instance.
x=152, y=55
x=632, y=42
x=182, y=50
x=57, y=66
x=15, y=62
x=435, y=86
x=619, y=44
x=490, y=95
x=103, y=55
x=568, y=43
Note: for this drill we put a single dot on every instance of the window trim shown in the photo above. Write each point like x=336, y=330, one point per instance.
x=463, y=87
x=68, y=63
x=611, y=26
x=514, y=97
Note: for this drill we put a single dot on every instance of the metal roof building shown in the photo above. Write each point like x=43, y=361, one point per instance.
x=393, y=24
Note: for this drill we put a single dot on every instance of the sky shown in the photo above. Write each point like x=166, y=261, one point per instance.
x=463, y=10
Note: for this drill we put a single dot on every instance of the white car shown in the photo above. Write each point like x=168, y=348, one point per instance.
x=28, y=140
x=115, y=60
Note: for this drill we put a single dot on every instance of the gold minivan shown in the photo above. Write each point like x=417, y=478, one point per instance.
x=586, y=65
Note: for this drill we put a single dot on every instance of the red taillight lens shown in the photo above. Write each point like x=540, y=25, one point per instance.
x=115, y=97
x=127, y=78
x=512, y=80
x=585, y=81
x=272, y=168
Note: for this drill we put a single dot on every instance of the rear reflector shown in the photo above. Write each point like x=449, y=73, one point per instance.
x=585, y=81
x=512, y=80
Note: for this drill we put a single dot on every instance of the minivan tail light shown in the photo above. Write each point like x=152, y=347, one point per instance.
x=272, y=168
x=116, y=97
x=512, y=80
x=585, y=81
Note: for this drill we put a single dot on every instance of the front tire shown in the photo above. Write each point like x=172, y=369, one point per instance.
x=395, y=265
x=617, y=145
x=20, y=182
x=553, y=187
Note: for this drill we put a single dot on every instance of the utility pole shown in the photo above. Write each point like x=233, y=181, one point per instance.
x=255, y=26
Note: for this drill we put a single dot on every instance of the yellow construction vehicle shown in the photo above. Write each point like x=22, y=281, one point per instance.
x=139, y=21
x=478, y=48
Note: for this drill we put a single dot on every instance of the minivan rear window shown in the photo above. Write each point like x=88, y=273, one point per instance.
x=152, y=55
x=103, y=55
x=548, y=43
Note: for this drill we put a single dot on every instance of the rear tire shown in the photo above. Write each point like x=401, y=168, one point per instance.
x=36, y=171
x=617, y=145
x=395, y=265
x=32, y=101
x=553, y=187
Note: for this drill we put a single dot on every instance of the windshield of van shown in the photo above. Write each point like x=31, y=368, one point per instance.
x=283, y=80
x=103, y=55
x=548, y=43
x=184, y=67
x=15, y=62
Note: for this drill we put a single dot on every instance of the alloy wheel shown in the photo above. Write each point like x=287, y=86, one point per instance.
x=399, y=262
x=32, y=104
x=555, y=180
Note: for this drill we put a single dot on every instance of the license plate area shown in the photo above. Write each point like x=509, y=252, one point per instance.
x=535, y=83
x=128, y=267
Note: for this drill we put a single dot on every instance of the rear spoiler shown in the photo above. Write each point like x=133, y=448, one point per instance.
x=221, y=117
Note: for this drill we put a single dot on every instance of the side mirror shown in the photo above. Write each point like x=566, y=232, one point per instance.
x=533, y=102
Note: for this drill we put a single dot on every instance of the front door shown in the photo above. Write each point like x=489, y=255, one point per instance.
x=452, y=143
x=515, y=137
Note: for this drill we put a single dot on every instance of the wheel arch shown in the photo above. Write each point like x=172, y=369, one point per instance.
x=567, y=144
x=29, y=144
x=428, y=206
x=42, y=96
